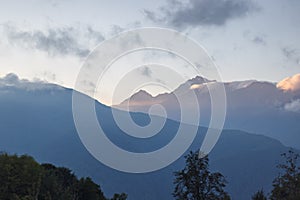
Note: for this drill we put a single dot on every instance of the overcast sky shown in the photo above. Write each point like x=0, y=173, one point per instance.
x=247, y=39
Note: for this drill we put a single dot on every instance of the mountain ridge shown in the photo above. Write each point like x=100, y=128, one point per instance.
x=258, y=102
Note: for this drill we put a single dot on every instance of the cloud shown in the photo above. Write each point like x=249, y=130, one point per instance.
x=196, y=86
x=201, y=12
x=153, y=16
x=50, y=76
x=202, y=85
x=290, y=83
x=93, y=34
x=146, y=71
x=291, y=54
x=54, y=41
x=293, y=106
x=259, y=40
x=11, y=80
x=116, y=29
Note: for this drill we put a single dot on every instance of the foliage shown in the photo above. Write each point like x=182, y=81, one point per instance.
x=259, y=195
x=22, y=178
x=121, y=196
x=89, y=190
x=196, y=182
x=287, y=185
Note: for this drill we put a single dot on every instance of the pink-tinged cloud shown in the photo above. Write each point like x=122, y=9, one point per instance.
x=290, y=83
x=195, y=86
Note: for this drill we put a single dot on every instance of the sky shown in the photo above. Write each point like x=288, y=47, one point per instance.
x=247, y=39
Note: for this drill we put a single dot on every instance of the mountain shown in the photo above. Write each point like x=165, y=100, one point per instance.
x=36, y=119
x=252, y=106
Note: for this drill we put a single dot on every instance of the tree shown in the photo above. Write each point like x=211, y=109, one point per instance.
x=58, y=183
x=259, y=195
x=89, y=190
x=121, y=196
x=20, y=177
x=196, y=182
x=287, y=185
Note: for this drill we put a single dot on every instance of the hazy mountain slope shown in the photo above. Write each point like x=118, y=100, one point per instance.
x=39, y=122
x=252, y=106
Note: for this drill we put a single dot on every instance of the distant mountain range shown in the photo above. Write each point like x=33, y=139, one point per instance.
x=252, y=106
x=36, y=119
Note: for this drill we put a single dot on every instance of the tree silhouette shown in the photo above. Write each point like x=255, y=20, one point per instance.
x=259, y=195
x=89, y=190
x=20, y=177
x=287, y=185
x=121, y=196
x=196, y=182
